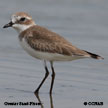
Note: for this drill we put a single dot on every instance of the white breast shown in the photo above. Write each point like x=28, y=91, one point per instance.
x=45, y=55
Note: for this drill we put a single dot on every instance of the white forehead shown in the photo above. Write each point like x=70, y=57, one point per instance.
x=15, y=18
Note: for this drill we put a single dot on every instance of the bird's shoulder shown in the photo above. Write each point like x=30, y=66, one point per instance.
x=41, y=33
x=42, y=39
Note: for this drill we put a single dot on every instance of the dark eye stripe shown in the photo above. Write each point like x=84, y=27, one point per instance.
x=22, y=19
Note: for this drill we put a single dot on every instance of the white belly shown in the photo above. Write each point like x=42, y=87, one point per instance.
x=45, y=55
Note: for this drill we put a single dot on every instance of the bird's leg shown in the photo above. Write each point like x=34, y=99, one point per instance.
x=51, y=101
x=39, y=100
x=53, y=77
x=46, y=75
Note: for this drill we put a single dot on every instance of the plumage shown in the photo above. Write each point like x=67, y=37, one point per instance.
x=44, y=44
x=41, y=39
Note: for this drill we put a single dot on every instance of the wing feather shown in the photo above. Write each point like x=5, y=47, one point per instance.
x=42, y=39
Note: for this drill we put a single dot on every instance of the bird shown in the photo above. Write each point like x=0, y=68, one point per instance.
x=44, y=44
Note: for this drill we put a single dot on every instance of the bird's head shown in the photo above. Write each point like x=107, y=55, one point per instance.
x=20, y=21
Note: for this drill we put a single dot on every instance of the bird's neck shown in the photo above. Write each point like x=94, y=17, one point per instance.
x=20, y=28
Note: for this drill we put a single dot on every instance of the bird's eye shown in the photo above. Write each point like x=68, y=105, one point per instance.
x=23, y=19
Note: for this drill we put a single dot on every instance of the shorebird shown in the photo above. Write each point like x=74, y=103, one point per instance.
x=44, y=44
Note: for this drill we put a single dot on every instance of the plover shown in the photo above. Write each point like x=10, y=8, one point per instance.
x=44, y=44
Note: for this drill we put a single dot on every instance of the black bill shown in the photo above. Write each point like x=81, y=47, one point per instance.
x=8, y=25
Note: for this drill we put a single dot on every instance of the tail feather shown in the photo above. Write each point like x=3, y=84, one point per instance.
x=95, y=56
